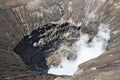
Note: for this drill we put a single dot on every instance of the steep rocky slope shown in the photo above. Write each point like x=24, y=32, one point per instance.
x=18, y=18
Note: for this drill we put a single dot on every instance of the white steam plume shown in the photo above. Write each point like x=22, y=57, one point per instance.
x=85, y=51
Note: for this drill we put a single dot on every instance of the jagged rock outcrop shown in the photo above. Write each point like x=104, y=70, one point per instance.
x=19, y=18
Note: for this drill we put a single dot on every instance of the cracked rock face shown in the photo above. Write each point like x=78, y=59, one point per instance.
x=35, y=25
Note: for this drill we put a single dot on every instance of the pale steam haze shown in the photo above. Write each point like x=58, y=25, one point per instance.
x=84, y=50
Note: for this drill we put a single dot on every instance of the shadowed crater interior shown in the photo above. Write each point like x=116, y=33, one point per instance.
x=43, y=42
